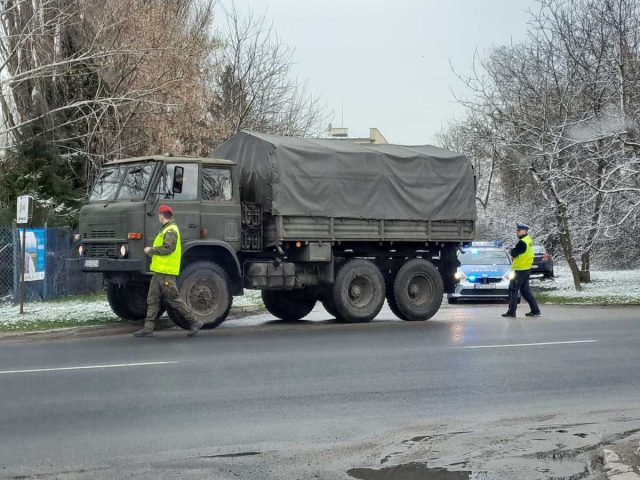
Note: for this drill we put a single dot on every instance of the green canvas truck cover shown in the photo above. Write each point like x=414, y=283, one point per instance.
x=337, y=178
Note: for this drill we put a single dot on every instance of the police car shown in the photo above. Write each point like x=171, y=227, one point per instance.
x=484, y=273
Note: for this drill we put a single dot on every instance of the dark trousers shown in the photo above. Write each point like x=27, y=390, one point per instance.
x=521, y=284
x=163, y=288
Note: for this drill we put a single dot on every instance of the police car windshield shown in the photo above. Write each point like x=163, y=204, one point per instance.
x=122, y=182
x=484, y=256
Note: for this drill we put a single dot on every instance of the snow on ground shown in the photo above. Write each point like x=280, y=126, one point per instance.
x=615, y=286
x=71, y=310
x=82, y=310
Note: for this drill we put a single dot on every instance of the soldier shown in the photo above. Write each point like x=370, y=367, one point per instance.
x=166, y=254
x=522, y=255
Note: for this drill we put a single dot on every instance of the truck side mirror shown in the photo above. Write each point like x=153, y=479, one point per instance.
x=178, y=175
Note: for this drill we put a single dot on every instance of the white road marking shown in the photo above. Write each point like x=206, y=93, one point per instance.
x=527, y=344
x=86, y=367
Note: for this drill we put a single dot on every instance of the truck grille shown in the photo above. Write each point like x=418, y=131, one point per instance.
x=99, y=234
x=101, y=250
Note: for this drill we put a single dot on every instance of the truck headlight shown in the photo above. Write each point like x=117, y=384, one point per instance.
x=123, y=250
x=81, y=251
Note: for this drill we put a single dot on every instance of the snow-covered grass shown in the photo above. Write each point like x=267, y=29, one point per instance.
x=606, y=287
x=81, y=310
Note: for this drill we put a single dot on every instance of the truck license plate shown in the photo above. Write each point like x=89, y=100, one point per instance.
x=92, y=263
x=488, y=285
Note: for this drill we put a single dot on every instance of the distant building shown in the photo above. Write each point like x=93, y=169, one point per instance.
x=343, y=134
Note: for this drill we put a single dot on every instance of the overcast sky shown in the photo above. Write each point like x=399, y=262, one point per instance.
x=389, y=60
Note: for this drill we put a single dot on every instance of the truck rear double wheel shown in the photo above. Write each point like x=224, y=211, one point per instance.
x=290, y=305
x=204, y=286
x=416, y=291
x=128, y=302
x=358, y=291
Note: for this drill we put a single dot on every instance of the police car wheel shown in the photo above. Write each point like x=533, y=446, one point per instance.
x=204, y=286
x=418, y=290
x=290, y=305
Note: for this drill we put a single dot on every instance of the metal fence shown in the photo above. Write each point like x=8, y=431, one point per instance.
x=59, y=278
x=7, y=259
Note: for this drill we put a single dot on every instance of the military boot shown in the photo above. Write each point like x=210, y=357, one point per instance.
x=146, y=331
x=193, y=329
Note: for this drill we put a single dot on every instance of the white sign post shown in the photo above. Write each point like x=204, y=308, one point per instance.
x=23, y=217
x=23, y=214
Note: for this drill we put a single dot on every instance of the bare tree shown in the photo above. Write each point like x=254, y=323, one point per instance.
x=85, y=81
x=562, y=110
x=254, y=86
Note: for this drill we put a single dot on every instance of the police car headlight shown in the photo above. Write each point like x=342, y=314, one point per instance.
x=81, y=251
x=123, y=250
x=509, y=275
x=460, y=275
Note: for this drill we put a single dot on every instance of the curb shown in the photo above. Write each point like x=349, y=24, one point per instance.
x=106, y=329
x=616, y=470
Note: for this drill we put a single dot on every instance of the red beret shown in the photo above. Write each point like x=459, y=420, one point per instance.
x=165, y=209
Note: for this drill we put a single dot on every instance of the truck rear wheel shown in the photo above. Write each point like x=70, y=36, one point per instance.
x=129, y=302
x=417, y=290
x=290, y=305
x=204, y=286
x=358, y=291
x=391, y=299
x=326, y=298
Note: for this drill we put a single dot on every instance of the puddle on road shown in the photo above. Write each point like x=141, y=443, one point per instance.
x=409, y=471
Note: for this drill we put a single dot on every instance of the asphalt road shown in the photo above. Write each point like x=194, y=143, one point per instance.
x=260, y=398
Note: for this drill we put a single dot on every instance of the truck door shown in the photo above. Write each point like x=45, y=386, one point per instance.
x=220, y=207
x=177, y=186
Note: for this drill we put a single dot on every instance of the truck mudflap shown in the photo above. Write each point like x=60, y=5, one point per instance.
x=105, y=264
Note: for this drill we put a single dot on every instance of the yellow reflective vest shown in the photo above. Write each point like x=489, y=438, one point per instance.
x=167, y=264
x=524, y=261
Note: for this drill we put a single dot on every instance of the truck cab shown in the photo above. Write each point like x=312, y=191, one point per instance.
x=120, y=219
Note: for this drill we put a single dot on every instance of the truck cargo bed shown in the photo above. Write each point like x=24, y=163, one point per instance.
x=280, y=228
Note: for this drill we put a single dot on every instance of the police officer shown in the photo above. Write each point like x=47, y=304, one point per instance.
x=166, y=255
x=522, y=255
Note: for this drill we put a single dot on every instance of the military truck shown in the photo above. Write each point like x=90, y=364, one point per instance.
x=302, y=220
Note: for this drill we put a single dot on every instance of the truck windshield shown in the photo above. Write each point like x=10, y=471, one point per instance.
x=136, y=182
x=128, y=182
x=107, y=184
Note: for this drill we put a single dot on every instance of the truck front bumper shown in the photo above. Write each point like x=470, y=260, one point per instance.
x=105, y=264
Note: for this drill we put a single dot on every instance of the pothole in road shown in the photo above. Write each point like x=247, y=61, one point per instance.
x=409, y=471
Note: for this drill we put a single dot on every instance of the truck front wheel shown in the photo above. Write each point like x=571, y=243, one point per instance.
x=288, y=305
x=417, y=290
x=204, y=286
x=128, y=302
x=358, y=291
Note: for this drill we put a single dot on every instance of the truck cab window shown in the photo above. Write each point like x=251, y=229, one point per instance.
x=188, y=182
x=216, y=184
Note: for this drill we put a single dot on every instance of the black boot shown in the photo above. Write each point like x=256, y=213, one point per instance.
x=509, y=315
x=193, y=329
x=146, y=331
x=532, y=314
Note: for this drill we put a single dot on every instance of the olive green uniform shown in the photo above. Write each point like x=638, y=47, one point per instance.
x=163, y=286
